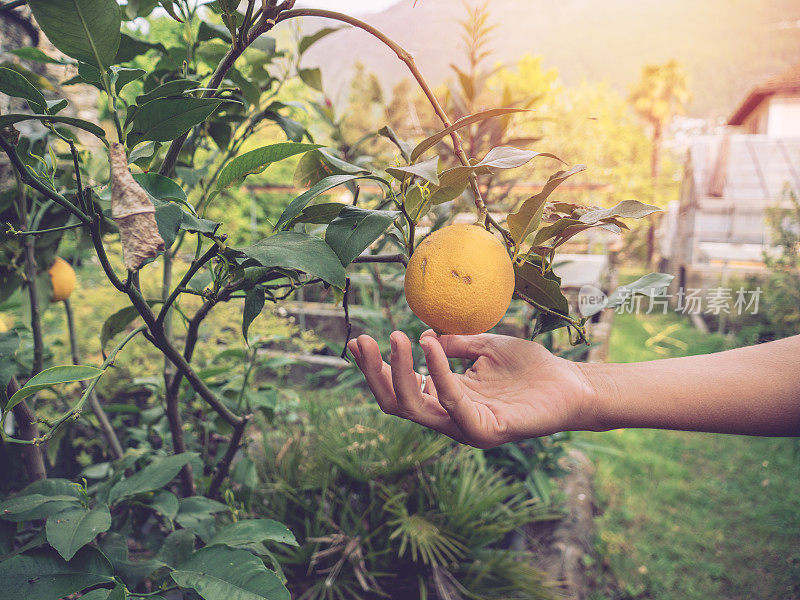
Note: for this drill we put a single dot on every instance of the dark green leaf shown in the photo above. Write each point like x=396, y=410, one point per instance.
x=525, y=221
x=177, y=547
x=176, y=87
x=196, y=514
x=544, y=290
x=551, y=231
x=306, y=253
x=88, y=30
x=14, y=84
x=318, y=214
x=309, y=40
x=124, y=76
x=627, y=209
x=254, y=300
x=119, y=321
x=49, y=378
x=165, y=119
x=72, y=529
x=165, y=503
x=11, y=119
x=46, y=576
x=35, y=506
x=130, y=48
x=428, y=170
x=354, y=229
x=154, y=476
x=257, y=160
x=298, y=204
x=311, y=77
x=117, y=593
x=222, y=573
x=250, y=531
x=159, y=187
x=209, y=31
x=431, y=141
x=9, y=342
x=452, y=184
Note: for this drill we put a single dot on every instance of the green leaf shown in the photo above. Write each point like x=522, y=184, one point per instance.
x=36, y=55
x=124, y=76
x=154, y=476
x=49, y=378
x=315, y=165
x=428, y=170
x=196, y=515
x=130, y=48
x=506, y=157
x=222, y=573
x=46, y=576
x=119, y=321
x=309, y=40
x=627, y=209
x=318, y=214
x=250, y=531
x=402, y=145
x=165, y=119
x=209, y=31
x=550, y=231
x=72, y=529
x=11, y=119
x=54, y=486
x=117, y=593
x=354, y=229
x=14, y=84
x=88, y=30
x=176, y=547
x=160, y=187
x=165, y=503
x=257, y=160
x=650, y=285
x=452, y=184
x=176, y=87
x=306, y=253
x=431, y=141
x=35, y=506
x=525, y=221
x=545, y=289
x=311, y=77
x=254, y=299
x=9, y=342
x=298, y=204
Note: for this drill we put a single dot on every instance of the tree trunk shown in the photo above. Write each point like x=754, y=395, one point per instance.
x=655, y=172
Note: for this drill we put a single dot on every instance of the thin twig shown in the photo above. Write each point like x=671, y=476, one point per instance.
x=224, y=465
x=381, y=258
x=94, y=403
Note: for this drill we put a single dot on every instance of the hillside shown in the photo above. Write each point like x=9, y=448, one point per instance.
x=726, y=45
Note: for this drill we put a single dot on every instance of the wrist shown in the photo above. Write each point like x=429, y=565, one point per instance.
x=600, y=395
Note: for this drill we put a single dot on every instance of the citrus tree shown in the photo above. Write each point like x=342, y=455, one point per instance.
x=182, y=115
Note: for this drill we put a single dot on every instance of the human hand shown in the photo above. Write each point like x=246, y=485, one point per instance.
x=515, y=389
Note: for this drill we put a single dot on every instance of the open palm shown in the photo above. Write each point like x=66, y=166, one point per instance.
x=514, y=389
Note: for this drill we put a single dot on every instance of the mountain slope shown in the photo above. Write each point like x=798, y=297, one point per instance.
x=727, y=46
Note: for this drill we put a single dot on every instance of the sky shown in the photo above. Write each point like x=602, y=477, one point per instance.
x=349, y=6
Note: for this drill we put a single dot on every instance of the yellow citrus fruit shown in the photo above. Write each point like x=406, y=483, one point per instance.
x=63, y=277
x=460, y=280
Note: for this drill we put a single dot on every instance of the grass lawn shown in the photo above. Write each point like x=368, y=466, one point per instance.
x=688, y=515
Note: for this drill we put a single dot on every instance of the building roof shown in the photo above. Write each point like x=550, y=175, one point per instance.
x=786, y=82
x=741, y=167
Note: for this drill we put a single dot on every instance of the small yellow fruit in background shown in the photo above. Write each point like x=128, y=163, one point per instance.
x=460, y=280
x=63, y=277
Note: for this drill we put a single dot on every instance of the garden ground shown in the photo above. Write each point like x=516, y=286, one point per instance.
x=689, y=515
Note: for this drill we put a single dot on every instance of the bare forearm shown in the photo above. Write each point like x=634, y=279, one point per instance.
x=750, y=391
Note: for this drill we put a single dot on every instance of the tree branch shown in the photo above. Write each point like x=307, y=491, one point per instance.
x=32, y=455
x=403, y=55
x=381, y=258
x=224, y=465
